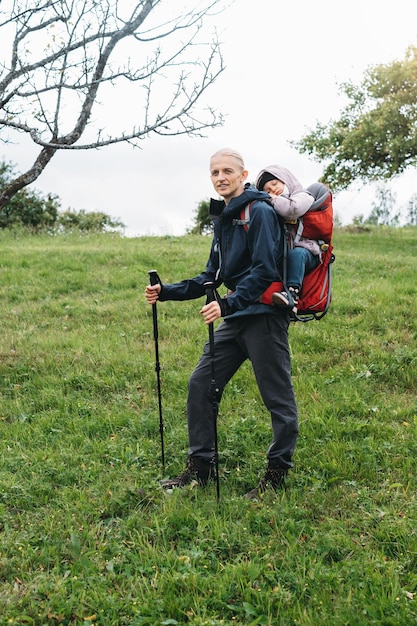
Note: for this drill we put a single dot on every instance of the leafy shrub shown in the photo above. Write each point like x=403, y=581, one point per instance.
x=94, y=221
x=31, y=211
x=202, y=221
x=27, y=208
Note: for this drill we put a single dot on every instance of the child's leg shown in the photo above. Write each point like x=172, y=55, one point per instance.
x=300, y=262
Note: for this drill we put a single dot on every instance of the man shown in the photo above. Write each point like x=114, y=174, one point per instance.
x=246, y=258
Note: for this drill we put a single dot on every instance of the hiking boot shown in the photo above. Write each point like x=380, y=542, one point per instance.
x=196, y=469
x=280, y=298
x=274, y=479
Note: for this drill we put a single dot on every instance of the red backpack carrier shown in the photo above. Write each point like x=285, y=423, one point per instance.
x=317, y=224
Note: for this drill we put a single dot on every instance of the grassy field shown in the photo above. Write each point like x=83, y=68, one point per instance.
x=87, y=536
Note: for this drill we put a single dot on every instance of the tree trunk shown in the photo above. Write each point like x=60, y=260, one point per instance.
x=28, y=177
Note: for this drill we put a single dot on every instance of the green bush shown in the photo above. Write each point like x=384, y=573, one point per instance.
x=27, y=208
x=202, y=220
x=33, y=212
x=94, y=221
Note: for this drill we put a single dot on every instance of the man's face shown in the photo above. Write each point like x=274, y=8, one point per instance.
x=274, y=187
x=227, y=176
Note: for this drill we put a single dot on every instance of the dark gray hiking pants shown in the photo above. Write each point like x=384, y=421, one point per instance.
x=264, y=340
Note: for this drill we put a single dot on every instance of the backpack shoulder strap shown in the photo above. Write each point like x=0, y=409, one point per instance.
x=244, y=217
x=300, y=229
x=320, y=193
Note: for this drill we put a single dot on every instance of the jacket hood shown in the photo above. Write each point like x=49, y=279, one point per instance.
x=219, y=207
x=284, y=175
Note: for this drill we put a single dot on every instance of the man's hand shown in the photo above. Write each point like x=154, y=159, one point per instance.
x=211, y=312
x=152, y=293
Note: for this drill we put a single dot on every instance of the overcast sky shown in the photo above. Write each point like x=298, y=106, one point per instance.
x=284, y=62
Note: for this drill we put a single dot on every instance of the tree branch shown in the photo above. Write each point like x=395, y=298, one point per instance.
x=64, y=52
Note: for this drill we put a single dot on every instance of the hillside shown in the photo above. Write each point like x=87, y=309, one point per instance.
x=87, y=535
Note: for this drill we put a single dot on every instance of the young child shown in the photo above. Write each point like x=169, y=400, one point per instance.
x=291, y=202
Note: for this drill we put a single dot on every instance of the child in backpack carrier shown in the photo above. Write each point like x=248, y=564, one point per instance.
x=291, y=202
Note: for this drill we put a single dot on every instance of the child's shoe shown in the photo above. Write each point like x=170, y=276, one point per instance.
x=280, y=298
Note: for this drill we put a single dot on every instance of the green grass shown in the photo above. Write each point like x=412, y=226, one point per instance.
x=87, y=536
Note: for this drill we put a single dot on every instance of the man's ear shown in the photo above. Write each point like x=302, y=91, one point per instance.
x=244, y=175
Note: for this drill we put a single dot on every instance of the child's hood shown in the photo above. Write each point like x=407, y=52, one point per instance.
x=284, y=175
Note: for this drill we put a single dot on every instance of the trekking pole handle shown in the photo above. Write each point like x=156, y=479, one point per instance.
x=209, y=287
x=154, y=278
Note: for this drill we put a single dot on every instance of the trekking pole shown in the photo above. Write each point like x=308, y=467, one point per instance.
x=154, y=280
x=214, y=389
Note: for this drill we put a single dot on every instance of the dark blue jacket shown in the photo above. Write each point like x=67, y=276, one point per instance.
x=246, y=261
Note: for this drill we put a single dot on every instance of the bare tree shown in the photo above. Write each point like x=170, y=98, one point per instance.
x=383, y=209
x=149, y=57
x=411, y=215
